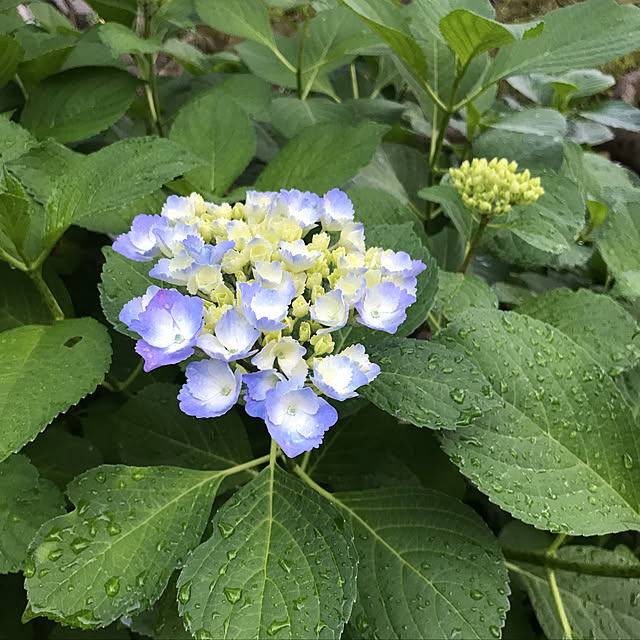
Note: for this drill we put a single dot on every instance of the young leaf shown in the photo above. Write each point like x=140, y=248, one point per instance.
x=562, y=414
x=122, y=280
x=327, y=166
x=153, y=430
x=458, y=292
x=470, y=35
x=121, y=39
x=11, y=53
x=114, y=553
x=281, y=553
x=227, y=147
x=78, y=103
x=428, y=385
x=44, y=371
x=595, y=606
x=596, y=322
x=429, y=566
x=26, y=501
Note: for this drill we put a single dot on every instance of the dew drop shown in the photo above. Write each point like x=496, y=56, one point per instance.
x=278, y=625
x=476, y=595
x=232, y=595
x=225, y=529
x=112, y=586
x=56, y=554
x=79, y=545
x=184, y=594
x=101, y=477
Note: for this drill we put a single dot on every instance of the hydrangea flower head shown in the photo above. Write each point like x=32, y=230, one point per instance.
x=261, y=289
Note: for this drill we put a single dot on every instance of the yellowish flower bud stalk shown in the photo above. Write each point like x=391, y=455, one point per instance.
x=490, y=189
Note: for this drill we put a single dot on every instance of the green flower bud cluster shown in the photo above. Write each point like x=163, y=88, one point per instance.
x=492, y=188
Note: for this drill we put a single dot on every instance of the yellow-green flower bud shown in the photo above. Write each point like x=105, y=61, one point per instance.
x=322, y=344
x=304, y=332
x=299, y=307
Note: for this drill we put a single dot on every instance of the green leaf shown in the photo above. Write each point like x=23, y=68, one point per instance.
x=78, y=103
x=458, y=292
x=389, y=22
x=11, y=53
x=614, y=113
x=26, y=501
x=449, y=199
x=132, y=526
x=470, y=35
x=597, y=213
x=153, y=430
x=575, y=37
x=121, y=39
x=14, y=140
x=227, y=148
x=122, y=280
x=315, y=160
x=247, y=19
x=20, y=301
x=14, y=221
x=428, y=385
x=429, y=566
x=112, y=177
x=562, y=414
x=596, y=322
x=290, y=116
x=44, y=371
x=539, y=122
x=619, y=238
x=595, y=606
x=258, y=557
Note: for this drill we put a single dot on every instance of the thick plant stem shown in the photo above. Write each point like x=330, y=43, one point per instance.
x=303, y=37
x=475, y=241
x=45, y=292
x=305, y=460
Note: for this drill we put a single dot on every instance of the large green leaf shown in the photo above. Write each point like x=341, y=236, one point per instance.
x=428, y=385
x=226, y=143
x=11, y=53
x=458, y=292
x=280, y=561
x=595, y=606
x=470, y=35
x=114, y=553
x=390, y=23
x=121, y=39
x=153, y=430
x=122, y=280
x=596, y=322
x=112, y=177
x=20, y=301
x=315, y=160
x=576, y=37
x=429, y=566
x=43, y=371
x=26, y=501
x=14, y=140
x=614, y=113
x=619, y=238
x=562, y=453
x=78, y=103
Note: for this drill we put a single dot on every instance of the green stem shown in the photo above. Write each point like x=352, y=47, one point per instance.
x=120, y=386
x=555, y=592
x=273, y=453
x=315, y=486
x=18, y=80
x=303, y=38
x=305, y=460
x=246, y=466
x=475, y=241
x=354, y=81
x=14, y=262
x=435, y=325
x=434, y=96
x=154, y=103
x=285, y=62
x=45, y=292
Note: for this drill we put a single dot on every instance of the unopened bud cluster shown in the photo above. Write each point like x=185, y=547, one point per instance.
x=492, y=187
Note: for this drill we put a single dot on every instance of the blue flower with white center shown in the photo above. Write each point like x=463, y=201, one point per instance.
x=257, y=385
x=141, y=243
x=136, y=306
x=383, y=307
x=259, y=203
x=264, y=308
x=289, y=354
x=357, y=354
x=178, y=210
x=297, y=418
x=212, y=388
x=352, y=287
x=303, y=207
x=406, y=283
x=400, y=263
x=330, y=310
x=234, y=337
x=352, y=237
x=171, y=238
x=297, y=256
x=271, y=275
x=337, y=377
x=169, y=325
x=337, y=210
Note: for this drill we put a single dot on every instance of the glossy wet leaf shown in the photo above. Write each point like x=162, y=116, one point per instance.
x=44, y=370
x=280, y=562
x=596, y=322
x=428, y=385
x=26, y=501
x=562, y=453
x=458, y=292
x=429, y=566
x=620, y=237
x=596, y=606
x=114, y=553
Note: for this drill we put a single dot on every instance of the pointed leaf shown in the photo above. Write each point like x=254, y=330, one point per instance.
x=113, y=555
x=11, y=53
x=280, y=561
x=562, y=454
x=614, y=113
x=44, y=371
x=26, y=501
x=429, y=566
x=121, y=39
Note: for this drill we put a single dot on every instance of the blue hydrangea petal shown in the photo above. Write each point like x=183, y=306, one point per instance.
x=141, y=242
